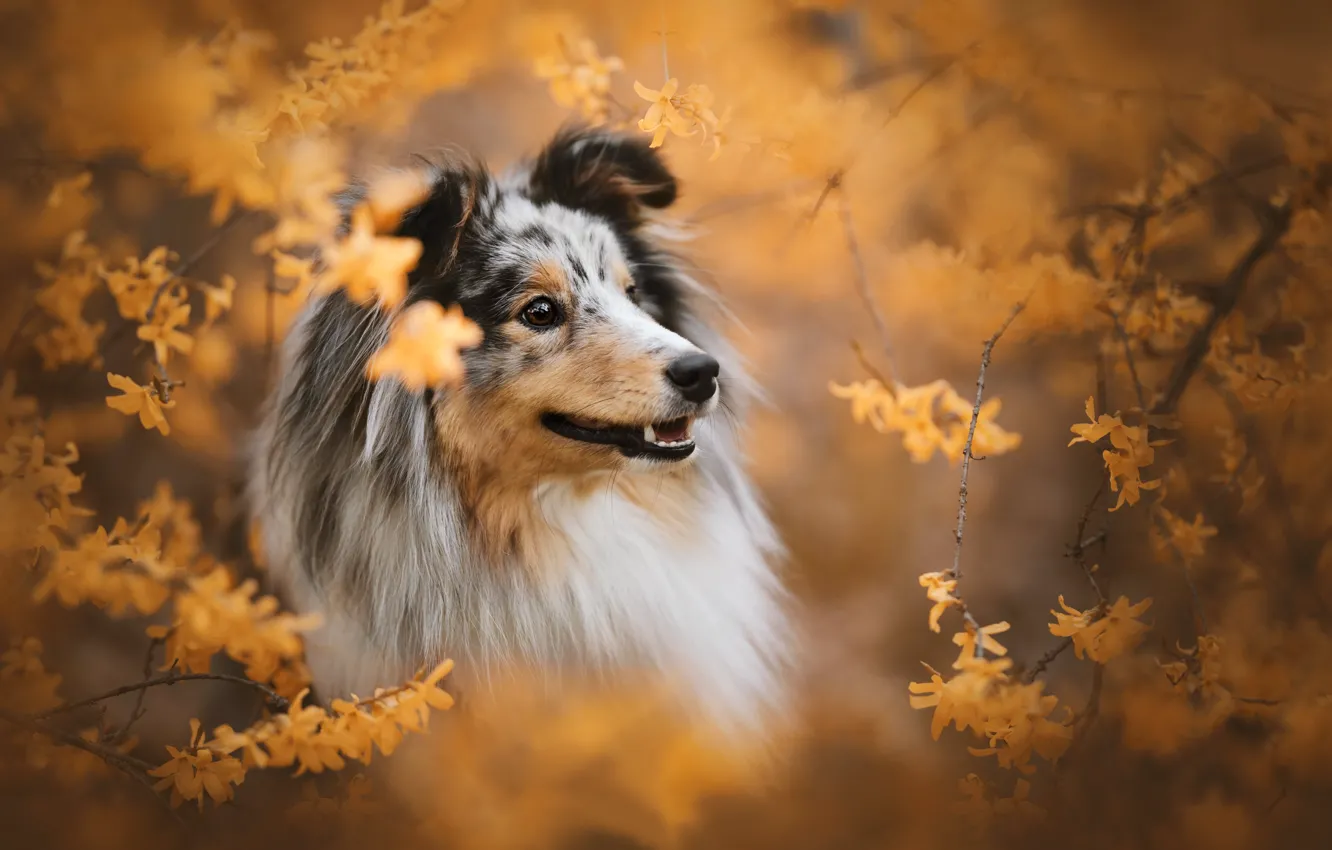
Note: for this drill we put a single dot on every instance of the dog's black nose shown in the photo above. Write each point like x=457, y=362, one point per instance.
x=695, y=375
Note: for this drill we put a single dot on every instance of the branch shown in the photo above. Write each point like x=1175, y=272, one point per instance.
x=275, y=701
x=136, y=769
x=862, y=283
x=1138, y=390
x=1044, y=661
x=138, y=710
x=1078, y=549
x=971, y=435
x=1275, y=222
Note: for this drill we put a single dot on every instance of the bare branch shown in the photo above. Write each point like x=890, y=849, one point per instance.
x=862, y=283
x=275, y=701
x=971, y=435
x=1044, y=661
x=1275, y=222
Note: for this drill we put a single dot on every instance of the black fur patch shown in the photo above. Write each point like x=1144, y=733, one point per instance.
x=606, y=174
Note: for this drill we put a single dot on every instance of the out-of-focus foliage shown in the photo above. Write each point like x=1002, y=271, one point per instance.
x=1129, y=200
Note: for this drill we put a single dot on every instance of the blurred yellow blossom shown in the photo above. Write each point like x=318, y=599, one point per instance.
x=423, y=347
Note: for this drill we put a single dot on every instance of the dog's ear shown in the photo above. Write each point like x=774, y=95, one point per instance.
x=605, y=173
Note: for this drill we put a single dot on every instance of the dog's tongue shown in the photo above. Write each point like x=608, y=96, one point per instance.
x=672, y=432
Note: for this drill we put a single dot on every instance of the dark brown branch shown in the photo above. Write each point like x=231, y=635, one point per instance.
x=138, y=711
x=136, y=769
x=1081, y=543
x=275, y=701
x=1275, y=222
x=1044, y=661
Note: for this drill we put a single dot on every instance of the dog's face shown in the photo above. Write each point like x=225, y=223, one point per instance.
x=583, y=366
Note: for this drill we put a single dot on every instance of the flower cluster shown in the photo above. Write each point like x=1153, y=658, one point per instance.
x=308, y=737
x=930, y=418
x=580, y=77
x=1130, y=450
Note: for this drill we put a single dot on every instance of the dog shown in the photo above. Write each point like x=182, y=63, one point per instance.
x=578, y=506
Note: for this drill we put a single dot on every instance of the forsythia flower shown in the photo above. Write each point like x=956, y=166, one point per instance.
x=25, y=685
x=135, y=286
x=930, y=417
x=1130, y=451
x=967, y=641
x=108, y=571
x=162, y=329
x=141, y=401
x=585, y=83
x=66, y=289
x=663, y=116
x=213, y=616
x=313, y=739
x=960, y=700
x=193, y=772
x=423, y=345
x=939, y=589
x=392, y=195
x=1101, y=635
x=1189, y=540
x=370, y=267
x=682, y=114
x=1018, y=725
x=35, y=487
x=218, y=299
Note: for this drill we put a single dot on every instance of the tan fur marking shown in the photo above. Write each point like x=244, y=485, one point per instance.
x=550, y=276
x=499, y=452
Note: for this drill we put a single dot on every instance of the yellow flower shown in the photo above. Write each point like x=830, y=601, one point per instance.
x=1101, y=637
x=140, y=401
x=218, y=299
x=663, y=116
x=191, y=773
x=163, y=331
x=423, y=347
x=1130, y=451
x=585, y=83
x=967, y=640
x=370, y=267
x=960, y=700
x=939, y=589
x=392, y=195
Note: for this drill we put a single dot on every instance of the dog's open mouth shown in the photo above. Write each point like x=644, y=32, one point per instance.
x=671, y=440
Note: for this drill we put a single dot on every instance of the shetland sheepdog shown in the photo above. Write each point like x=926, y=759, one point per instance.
x=578, y=506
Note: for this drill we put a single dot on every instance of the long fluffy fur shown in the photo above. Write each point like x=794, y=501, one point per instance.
x=369, y=517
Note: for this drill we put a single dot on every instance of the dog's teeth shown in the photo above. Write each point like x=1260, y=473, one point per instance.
x=648, y=434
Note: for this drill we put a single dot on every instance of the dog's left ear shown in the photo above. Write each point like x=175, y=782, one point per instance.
x=607, y=174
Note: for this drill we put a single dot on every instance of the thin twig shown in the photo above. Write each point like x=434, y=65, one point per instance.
x=277, y=702
x=971, y=435
x=1078, y=549
x=138, y=710
x=1044, y=661
x=862, y=282
x=1127, y=344
x=137, y=769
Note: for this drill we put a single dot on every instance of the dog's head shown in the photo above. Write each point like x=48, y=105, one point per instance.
x=585, y=364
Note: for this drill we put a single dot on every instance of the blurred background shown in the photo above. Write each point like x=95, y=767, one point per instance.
x=966, y=145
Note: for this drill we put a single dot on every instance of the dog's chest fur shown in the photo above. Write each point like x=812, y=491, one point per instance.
x=666, y=579
x=445, y=524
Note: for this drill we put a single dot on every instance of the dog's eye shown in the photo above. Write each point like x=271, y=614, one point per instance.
x=632, y=291
x=540, y=313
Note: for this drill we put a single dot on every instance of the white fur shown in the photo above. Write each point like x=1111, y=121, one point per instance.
x=683, y=592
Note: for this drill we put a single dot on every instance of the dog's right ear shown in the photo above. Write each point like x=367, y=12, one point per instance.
x=605, y=173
